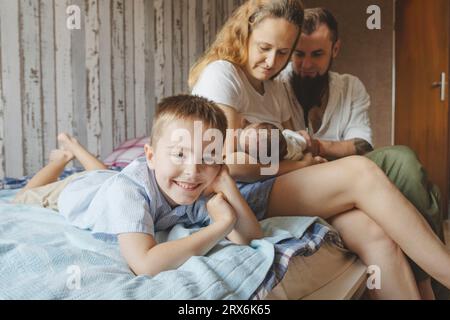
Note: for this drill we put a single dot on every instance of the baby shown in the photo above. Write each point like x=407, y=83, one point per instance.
x=256, y=139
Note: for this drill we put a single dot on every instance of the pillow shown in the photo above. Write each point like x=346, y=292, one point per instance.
x=126, y=153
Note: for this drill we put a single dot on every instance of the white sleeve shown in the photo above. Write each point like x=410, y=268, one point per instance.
x=359, y=124
x=220, y=83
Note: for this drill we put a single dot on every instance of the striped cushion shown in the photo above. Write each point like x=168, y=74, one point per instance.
x=126, y=153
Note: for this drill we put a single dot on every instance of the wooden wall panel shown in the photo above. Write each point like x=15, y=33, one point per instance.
x=100, y=83
x=141, y=61
x=64, y=83
x=2, y=113
x=47, y=48
x=118, y=72
x=130, y=124
x=11, y=89
x=31, y=82
x=93, y=115
x=106, y=98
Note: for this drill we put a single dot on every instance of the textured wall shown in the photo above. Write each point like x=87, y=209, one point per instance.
x=367, y=54
x=99, y=83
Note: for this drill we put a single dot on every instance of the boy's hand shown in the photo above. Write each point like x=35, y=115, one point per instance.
x=219, y=183
x=221, y=211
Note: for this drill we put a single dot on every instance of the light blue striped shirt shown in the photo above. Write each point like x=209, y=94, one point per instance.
x=110, y=203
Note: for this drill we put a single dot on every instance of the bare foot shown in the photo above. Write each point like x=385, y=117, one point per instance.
x=61, y=155
x=66, y=142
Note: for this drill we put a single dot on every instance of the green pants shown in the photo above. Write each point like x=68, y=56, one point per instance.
x=403, y=168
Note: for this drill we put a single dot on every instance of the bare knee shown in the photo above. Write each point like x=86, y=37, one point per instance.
x=363, y=166
x=365, y=173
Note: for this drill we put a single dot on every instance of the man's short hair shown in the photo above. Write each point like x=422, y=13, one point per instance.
x=187, y=107
x=315, y=17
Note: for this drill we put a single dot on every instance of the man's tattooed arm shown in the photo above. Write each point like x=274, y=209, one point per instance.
x=362, y=147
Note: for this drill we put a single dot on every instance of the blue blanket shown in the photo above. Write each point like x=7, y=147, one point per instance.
x=43, y=257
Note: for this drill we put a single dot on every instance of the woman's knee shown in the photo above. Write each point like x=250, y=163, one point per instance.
x=364, y=172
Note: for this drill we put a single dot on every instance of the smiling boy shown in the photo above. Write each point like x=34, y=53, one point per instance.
x=166, y=187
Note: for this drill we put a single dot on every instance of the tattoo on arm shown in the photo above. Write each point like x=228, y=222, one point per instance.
x=362, y=147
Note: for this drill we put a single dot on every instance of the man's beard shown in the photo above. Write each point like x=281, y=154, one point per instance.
x=310, y=91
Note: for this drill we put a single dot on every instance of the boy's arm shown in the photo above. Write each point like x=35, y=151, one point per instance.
x=247, y=226
x=146, y=257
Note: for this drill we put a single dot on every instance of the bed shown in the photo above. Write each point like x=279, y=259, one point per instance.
x=43, y=257
x=41, y=254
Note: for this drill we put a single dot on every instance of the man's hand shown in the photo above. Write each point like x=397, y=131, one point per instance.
x=313, y=145
x=310, y=160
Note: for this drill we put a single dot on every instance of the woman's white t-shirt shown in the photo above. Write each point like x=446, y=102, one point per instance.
x=226, y=84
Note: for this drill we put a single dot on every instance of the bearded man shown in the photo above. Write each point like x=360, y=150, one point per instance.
x=331, y=111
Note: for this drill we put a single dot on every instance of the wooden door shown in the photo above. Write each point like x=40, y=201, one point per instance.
x=422, y=63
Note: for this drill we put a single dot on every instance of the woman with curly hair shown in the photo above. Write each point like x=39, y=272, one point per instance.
x=373, y=217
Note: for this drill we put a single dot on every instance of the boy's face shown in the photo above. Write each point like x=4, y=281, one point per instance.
x=178, y=163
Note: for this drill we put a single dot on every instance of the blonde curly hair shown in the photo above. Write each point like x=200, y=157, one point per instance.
x=231, y=43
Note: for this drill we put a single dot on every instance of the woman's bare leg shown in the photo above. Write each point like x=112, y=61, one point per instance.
x=51, y=172
x=364, y=237
x=355, y=182
x=89, y=161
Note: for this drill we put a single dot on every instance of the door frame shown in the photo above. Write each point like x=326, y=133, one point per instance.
x=445, y=204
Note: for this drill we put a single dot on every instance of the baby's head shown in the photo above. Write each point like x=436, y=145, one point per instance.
x=258, y=136
x=183, y=163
